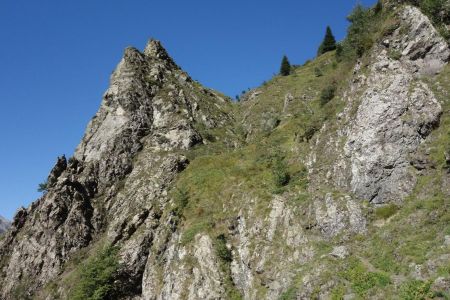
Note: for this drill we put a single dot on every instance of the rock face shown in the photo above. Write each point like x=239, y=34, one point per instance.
x=395, y=112
x=4, y=224
x=122, y=186
x=151, y=107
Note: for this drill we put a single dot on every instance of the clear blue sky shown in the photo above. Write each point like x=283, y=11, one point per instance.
x=56, y=58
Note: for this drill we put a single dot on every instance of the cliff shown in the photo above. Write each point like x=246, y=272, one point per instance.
x=176, y=192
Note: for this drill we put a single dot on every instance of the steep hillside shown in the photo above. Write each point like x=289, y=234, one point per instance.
x=330, y=183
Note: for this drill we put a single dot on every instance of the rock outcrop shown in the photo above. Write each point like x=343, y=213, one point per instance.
x=4, y=224
x=390, y=111
x=158, y=176
x=151, y=111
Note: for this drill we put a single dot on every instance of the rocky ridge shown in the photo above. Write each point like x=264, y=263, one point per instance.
x=180, y=181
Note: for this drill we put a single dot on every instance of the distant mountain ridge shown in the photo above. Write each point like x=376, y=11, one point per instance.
x=4, y=224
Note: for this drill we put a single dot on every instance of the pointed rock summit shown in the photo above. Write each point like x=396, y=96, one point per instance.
x=151, y=112
x=155, y=49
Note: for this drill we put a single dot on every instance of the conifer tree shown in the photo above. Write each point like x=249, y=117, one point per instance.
x=285, y=68
x=329, y=42
x=378, y=7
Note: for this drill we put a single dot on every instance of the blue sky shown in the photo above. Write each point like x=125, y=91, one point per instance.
x=56, y=58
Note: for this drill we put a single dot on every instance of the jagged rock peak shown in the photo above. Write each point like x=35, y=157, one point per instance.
x=155, y=49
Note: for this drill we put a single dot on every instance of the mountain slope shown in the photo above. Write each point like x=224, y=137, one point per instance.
x=177, y=193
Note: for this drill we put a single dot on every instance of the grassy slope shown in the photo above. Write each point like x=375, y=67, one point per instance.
x=399, y=238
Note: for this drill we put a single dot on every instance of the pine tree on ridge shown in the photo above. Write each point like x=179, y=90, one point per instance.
x=329, y=42
x=285, y=68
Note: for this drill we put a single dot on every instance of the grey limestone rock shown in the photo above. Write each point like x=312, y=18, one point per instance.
x=4, y=224
x=151, y=109
x=389, y=112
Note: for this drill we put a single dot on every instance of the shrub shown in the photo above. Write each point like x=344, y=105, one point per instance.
x=339, y=52
x=279, y=170
x=360, y=33
x=437, y=10
x=384, y=212
x=416, y=290
x=318, y=72
x=395, y=54
x=222, y=250
x=327, y=94
x=310, y=130
x=362, y=281
x=96, y=278
x=43, y=187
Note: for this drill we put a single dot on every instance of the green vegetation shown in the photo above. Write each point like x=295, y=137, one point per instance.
x=439, y=13
x=285, y=68
x=318, y=72
x=43, y=187
x=386, y=211
x=328, y=43
x=270, y=160
x=225, y=256
x=416, y=290
x=362, y=281
x=221, y=249
x=96, y=276
x=362, y=32
x=181, y=199
x=279, y=170
x=394, y=54
x=290, y=294
x=327, y=94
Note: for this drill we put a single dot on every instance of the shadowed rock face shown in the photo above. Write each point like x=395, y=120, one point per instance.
x=4, y=224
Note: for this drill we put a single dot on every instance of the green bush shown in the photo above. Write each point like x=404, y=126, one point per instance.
x=310, y=130
x=327, y=94
x=364, y=23
x=279, y=170
x=96, y=278
x=339, y=52
x=43, y=187
x=318, y=72
x=222, y=250
x=384, y=212
x=437, y=10
x=416, y=290
x=362, y=281
x=395, y=54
